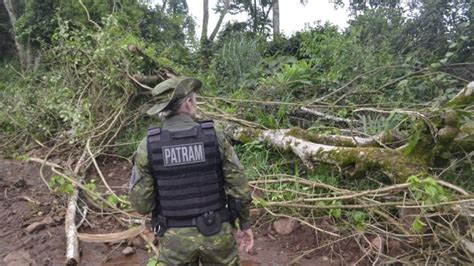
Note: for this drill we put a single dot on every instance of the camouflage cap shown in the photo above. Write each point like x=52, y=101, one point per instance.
x=172, y=90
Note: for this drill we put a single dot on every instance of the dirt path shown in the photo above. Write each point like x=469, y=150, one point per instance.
x=26, y=202
x=20, y=187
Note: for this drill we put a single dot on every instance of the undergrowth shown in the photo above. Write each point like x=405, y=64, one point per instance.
x=82, y=97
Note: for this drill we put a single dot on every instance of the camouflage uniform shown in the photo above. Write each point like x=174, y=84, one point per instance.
x=186, y=245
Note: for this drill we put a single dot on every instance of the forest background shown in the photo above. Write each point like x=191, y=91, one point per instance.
x=75, y=80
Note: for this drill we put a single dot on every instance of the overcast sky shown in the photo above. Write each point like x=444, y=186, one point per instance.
x=293, y=15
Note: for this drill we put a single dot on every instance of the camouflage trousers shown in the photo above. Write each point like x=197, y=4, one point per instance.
x=187, y=246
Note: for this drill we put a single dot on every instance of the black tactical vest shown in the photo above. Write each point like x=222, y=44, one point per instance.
x=187, y=169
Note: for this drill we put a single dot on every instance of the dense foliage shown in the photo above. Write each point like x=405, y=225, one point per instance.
x=393, y=55
x=402, y=55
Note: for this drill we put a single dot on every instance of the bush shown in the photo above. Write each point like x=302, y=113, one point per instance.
x=237, y=58
x=82, y=85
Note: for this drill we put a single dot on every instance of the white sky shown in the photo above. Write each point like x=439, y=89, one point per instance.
x=293, y=15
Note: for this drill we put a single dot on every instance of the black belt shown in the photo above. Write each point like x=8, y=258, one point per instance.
x=192, y=222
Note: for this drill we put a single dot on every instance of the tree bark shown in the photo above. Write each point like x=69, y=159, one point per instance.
x=205, y=40
x=379, y=140
x=72, y=241
x=464, y=97
x=276, y=18
x=265, y=18
x=219, y=22
x=22, y=54
x=205, y=21
x=355, y=161
x=437, y=133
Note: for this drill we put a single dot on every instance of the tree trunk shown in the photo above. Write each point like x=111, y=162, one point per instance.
x=392, y=137
x=276, y=18
x=163, y=7
x=265, y=17
x=463, y=98
x=355, y=161
x=204, y=50
x=22, y=54
x=436, y=135
x=255, y=17
x=72, y=242
x=205, y=21
x=219, y=22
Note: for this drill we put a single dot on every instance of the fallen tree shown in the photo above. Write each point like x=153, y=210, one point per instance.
x=358, y=159
x=421, y=212
x=436, y=133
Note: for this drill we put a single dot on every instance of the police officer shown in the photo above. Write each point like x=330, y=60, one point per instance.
x=187, y=174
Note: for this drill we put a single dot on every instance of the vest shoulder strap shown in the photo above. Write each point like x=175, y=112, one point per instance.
x=152, y=131
x=207, y=124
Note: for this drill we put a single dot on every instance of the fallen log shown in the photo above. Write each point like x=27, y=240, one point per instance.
x=379, y=140
x=436, y=132
x=464, y=98
x=72, y=242
x=355, y=160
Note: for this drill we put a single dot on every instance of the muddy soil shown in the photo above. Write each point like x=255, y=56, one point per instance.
x=25, y=200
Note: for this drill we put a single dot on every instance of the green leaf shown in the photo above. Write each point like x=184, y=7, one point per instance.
x=112, y=199
x=260, y=202
x=432, y=191
x=403, y=83
x=418, y=225
x=359, y=217
x=335, y=213
x=69, y=189
x=430, y=181
x=453, y=45
x=412, y=143
x=152, y=262
x=446, y=155
x=91, y=186
x=414, y=180
x=449, y=54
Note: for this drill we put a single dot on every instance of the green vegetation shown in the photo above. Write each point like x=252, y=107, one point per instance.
x=66, y=85
x=61, y=185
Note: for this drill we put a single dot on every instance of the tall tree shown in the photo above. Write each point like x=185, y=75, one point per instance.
x=222, y=8
x=170, y=27
x=431, y=30
x=14, y=14
x=258, y=12
x=276, y=18
x=223, y=11
x=7, y=43
x=205, y=21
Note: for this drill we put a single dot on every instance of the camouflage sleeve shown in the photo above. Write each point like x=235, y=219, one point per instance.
x=142, y=191
x=236, y=182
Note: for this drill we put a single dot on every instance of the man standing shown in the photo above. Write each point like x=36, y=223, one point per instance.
x=188, y=175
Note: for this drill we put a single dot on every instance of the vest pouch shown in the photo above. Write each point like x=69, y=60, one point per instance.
x=210, y=223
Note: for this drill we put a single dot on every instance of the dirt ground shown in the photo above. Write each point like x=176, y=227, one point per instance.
x=25, y=200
